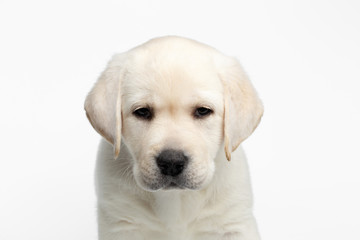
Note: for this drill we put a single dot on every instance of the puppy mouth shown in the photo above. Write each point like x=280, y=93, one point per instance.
x=173, y=185
x=170, y=183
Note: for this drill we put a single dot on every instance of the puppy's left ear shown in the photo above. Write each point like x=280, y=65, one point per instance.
x=242, y=107
x=103, y=103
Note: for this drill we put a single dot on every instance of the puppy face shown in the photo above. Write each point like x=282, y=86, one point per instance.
x=173, y=102
x=172, y=121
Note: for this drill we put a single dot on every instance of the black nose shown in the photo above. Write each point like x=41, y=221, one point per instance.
x=171, y=162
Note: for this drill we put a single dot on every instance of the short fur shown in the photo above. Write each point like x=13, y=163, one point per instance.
x=212, y=197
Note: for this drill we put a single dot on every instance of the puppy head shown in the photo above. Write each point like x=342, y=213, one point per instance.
x=174, y=102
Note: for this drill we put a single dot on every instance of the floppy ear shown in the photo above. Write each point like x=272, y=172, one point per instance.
x=103, y=103
x=242, y=107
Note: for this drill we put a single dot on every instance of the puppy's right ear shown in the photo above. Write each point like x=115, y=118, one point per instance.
x=103, y=103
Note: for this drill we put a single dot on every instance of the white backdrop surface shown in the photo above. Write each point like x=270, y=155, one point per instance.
x=302, y=56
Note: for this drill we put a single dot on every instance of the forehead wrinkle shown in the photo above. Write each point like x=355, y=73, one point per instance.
x=170, y=84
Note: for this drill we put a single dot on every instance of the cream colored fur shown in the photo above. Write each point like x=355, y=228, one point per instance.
x=173, y=77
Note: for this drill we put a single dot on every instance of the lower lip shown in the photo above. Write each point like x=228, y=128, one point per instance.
x=173, y=185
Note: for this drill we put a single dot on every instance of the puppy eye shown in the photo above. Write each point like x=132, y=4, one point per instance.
x=202, y=112
x=144, y=113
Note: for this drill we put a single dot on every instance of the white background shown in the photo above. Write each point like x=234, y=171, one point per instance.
x=302, y=56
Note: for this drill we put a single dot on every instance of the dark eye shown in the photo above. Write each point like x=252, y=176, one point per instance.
x=202, y=112
x=144, y=113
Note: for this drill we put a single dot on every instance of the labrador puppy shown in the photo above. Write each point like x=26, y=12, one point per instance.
x=172, y=113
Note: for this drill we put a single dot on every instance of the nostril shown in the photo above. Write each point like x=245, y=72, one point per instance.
x=179, y=166
x=171, y=162
x=162, y=165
